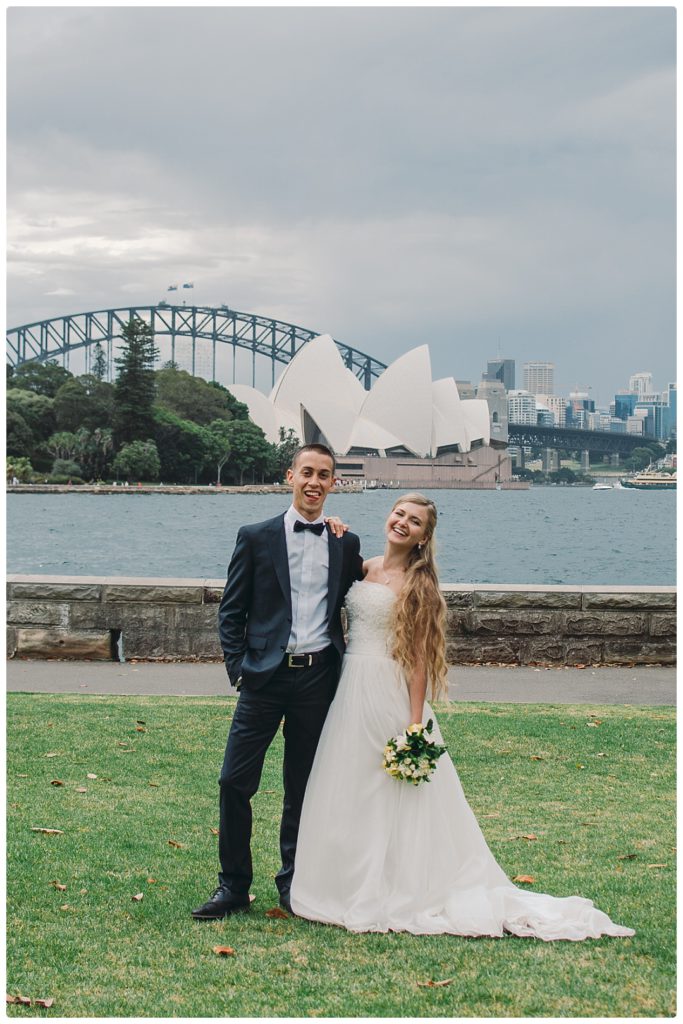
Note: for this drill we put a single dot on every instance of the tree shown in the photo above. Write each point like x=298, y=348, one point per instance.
x=19, y=438
x=283, y=452
x=220, y=445
x=36, y=410
x=99, y=363
x=192, y=398
x=66, y=467
x=249, y=449
x=20, y=468
x=84, y=402
x=138, y=460
x=183, y=446
x=62, y=445
x=94, y=451
x=41, y=378
x=135, y=386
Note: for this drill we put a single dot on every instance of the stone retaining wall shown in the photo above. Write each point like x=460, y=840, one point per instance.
x=110, y=618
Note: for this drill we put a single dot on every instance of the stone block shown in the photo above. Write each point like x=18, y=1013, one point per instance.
x=472, y=651
x=583, y=652
x=542, y=649
x=458, y=598
x=152, y=594
x=56, y=591
x=625, y=652
x=11, y=641
x=37, y=613
x=527, y=598
x=456, y=622
x=212, y=595
x=513, y=622
x=89, y=615
x=636, y=597
x=663, y=624
x=606, y=624
x=55, y=643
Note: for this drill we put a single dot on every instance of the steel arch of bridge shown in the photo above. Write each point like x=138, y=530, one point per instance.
x=263, y=336
x=605, y=442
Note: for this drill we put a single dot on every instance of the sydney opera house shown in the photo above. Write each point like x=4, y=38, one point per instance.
x=408, y=430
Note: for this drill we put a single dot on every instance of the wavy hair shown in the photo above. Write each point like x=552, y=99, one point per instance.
x=419, y=617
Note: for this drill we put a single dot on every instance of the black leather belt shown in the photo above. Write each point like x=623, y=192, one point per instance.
x=306, y=660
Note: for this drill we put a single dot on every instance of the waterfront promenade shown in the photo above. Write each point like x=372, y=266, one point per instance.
x=646, y=686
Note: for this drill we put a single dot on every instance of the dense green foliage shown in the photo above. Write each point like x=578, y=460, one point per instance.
x=581, y=798
x=149, y=425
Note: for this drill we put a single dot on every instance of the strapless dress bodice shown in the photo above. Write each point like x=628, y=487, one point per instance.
x=369, y=607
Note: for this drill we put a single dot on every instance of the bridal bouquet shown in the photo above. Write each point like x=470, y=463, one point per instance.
x=412, y=755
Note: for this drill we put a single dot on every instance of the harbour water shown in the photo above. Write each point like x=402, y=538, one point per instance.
x=545, y=535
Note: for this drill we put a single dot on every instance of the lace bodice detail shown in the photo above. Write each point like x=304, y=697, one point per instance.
x=369, y=607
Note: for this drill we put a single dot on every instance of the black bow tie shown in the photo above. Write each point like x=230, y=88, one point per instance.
x=299, y=525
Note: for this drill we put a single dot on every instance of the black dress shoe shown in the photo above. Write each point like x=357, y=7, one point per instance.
x=285, y=904
x=220, y=904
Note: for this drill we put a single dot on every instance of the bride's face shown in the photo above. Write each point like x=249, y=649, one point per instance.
x=406, y=525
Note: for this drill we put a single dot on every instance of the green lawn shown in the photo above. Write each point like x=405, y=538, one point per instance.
x=594, y=784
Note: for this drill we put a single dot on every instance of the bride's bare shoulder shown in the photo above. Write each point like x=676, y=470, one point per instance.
x=370, y=565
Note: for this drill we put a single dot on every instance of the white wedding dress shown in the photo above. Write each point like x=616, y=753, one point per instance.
x=375, y=854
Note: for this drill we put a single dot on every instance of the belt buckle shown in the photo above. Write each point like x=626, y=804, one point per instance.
x=299, y=660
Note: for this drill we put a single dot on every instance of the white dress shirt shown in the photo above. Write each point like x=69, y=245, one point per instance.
x=308, y=557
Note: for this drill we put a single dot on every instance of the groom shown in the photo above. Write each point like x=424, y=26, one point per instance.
x=280, y=628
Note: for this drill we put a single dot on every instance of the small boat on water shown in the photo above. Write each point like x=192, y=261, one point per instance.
x=603, y=487
x=650, y=480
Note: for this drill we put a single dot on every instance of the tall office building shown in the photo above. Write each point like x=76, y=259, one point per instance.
x=539, y=378
x=557, y=406
x=641, y=383
x=521, y=407
x=502, y=370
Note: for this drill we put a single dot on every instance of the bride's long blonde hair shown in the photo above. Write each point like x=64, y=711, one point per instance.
x=419, y=618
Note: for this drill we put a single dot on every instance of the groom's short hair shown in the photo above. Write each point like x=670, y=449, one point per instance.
x=322, y=449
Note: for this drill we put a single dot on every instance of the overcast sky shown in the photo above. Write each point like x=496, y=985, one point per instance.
x=485, y=180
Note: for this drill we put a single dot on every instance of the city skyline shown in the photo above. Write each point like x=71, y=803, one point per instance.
x=479, y=180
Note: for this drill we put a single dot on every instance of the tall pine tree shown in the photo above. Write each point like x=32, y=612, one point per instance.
x=99, y=363
x=135, y=385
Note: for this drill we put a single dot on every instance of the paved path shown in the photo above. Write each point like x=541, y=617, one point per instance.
x=518, y=685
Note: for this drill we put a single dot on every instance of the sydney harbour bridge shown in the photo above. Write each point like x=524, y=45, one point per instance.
x=263, y=337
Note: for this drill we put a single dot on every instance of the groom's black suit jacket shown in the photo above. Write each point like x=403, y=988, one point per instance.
x=255, y=614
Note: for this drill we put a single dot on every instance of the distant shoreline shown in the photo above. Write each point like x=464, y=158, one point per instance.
x=349, y=488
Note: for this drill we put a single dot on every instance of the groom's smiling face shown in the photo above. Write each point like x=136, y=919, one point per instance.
x=311, y=478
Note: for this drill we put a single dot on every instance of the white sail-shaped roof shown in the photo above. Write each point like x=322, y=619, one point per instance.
x=401, y=401
x=263, y=412
x=477, y=422
x=318, y=380
x=448, y=423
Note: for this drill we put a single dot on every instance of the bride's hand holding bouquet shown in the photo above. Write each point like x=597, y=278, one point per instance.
x=412, y=756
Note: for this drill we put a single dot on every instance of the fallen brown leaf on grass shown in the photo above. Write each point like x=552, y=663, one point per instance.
x=56, y=782
x=627, y=856
x=58, y=886
x=140, y=728
x=213, y=831
x=91, y=776
x=175, y=843
x=65, y=906
x=277, y=912
x=435, y=984
x=151, y=881
x=81, y=789
x=529, y=836
x=224, y=950
x=536, y=757
x=23, y=1000
x=657, y=865
x=52, y=754
x=139, y=897
x=45, y=1003
x=47, y=831
x=154, y=785
x=527, y=879
x=251, y=898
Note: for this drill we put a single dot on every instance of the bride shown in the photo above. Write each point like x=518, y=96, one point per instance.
x=375, y=854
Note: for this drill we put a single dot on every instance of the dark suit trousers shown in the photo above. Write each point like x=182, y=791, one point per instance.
x=302, y=697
